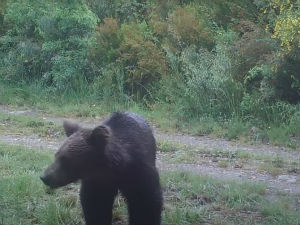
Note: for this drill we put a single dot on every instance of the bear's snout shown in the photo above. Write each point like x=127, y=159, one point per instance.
x=51, y=181
x=55, y=176
x=47, y=181
x=44, y=179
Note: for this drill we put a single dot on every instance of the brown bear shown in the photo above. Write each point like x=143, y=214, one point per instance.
x=118, y=155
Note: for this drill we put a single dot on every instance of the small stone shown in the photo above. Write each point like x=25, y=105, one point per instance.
x=238, y=166
x=288, y=178
x=215, y=160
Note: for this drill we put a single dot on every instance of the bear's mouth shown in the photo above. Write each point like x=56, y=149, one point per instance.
x=47, y=182
x=52, y=183
x=56, y=181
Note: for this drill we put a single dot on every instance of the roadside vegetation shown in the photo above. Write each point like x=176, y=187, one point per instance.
x=189, y=198
x=221, y=68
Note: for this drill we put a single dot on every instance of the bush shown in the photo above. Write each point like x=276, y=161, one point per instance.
x=208, y=85
x=254, y=47
x=144, y=61
x=132, y=10
x=66, y=42
x=236, y=129
x=281, y=21
x=111, y=86
x=2, y=12
x=188, y=28
x=20, y=44
x=293, y=125
x=257, y=110
x=47, y=41
x=107, y=43
x=103, y=8
x=286, y=77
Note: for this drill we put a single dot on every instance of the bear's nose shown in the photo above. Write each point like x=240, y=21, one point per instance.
x=43, y=178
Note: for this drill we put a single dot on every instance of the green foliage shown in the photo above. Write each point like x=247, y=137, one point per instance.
x=256, y=109
x=105, y=50
x=49, y=42
x=145, y=62
x=234, y=60
x=188, y=28
x=287, y=76
x=2, y=11
x=254, y=46
x=103, y=8
x=236, y=129
x=208, y=87
x=112, y=85
x=282, y=18
x=132, y=10
x=293, y=124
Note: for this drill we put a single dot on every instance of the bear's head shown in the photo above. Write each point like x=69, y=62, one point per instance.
x=79, y=156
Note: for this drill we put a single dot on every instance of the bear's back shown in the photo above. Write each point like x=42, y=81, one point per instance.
x=133, y=131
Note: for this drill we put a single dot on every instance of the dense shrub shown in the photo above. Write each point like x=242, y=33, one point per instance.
x=47, y=41
x=287, y=76
x=145, y=62
x=255, y=109
x=103, y=8
x=281, y=20
x=133, y=10
x=254, y=47
x=189, y=28
x=208, y=88
x=106, y=47
x=2, y=12
x=111, y=85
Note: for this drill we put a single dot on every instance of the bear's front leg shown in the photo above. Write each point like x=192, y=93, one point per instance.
x=97, y=202
x=144, y=199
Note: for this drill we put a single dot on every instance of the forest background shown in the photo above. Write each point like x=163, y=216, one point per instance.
x=224, y=68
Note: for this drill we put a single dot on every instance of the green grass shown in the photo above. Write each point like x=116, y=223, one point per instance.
x=168, y=146
x=274, y=171
x=85, y=103
x=236, y=128
x=180, y=153
x=23, y=197
x=192, y=199
x=223, y=164
x=188, y=198
x=279, y=212
x=21, y=124
x=280, y=136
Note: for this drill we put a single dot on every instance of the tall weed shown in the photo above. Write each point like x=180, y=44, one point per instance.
x=208, y=87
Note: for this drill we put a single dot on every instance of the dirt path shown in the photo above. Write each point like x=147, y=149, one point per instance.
x=208, y=143
x=287, y=183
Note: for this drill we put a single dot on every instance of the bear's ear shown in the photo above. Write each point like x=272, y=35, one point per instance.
x=70, y=127
x=100, y=135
